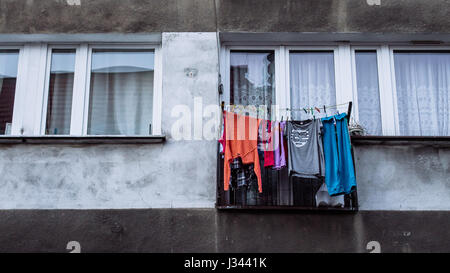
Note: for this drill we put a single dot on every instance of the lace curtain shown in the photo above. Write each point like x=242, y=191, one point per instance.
x=312, y=80
x=253, y=79
x=423, y=92
x=368, y=92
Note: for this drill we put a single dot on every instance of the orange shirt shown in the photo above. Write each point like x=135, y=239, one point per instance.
x=241, y=140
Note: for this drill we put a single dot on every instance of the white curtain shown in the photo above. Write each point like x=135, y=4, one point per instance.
x=121, y=103
x=423, y=92
x=312, y=81
x=368, y=92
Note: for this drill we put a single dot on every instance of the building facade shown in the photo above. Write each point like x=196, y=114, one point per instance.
x=134, y=171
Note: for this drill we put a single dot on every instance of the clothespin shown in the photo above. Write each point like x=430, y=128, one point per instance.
x=325, y=110
x=317, y=109
x=305, y=110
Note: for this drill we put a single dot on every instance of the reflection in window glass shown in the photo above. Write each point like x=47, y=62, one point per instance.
x=368, y=92
x=59, y=105
x=423, y=92
x=8, y=75
x=252, y=79
x=312, y=80
x=121, y=92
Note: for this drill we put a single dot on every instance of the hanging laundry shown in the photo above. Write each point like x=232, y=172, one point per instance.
x=339, y=169
x=268, y=143
x=241, y=140
x=323, y=198
x=241, y=175
x=279, y=151
x=305, y=151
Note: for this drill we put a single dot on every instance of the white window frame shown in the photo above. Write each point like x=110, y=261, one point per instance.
x=43, y=92
x=384, y=88
x=394, y=86
x=345, y=75
x=17, y=113
x=157, y=83
x=31, y=98
x=344, y=85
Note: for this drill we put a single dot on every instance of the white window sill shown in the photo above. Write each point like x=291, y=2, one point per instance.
x=82, y=139
x=441, y=141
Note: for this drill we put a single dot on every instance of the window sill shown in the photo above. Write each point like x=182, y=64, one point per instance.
x=396, y=140
x=82, y=139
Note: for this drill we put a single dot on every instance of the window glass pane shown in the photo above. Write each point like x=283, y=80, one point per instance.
x=60, y=91
x=121, y=92
x=8, y=75
x=423, y=92
x=252, y=79
x=252, y=82
x=312, y=80
x=368, y=92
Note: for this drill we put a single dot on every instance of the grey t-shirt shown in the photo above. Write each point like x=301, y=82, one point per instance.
x=305, y=148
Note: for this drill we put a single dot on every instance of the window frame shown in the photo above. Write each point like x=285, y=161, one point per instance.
x=157, y=107
x=41, y=123
x=29, y=117
x=282, y=71
x=345, y=74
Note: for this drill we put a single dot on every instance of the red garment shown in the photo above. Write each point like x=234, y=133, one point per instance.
x=241, y=140
x=268, y=146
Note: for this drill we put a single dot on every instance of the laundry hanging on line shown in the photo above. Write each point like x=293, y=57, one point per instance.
x=306, y=152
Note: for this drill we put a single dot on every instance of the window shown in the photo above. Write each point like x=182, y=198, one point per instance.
x=312, y=80
x=422, y=82
x=8, y=76
x=60, y=92
x=396, y=91
x=252, y=77
x=121, y=92
x=80, y=89
x=367, y=90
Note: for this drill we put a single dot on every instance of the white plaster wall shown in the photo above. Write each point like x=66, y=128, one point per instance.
x=173, y=174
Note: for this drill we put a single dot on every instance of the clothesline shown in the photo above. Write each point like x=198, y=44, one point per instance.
x=305, y=109
x=315, y=108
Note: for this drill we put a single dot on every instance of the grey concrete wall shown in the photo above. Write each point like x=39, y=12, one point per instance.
x=408, y=176
x=347, y=16
x=173, y=174
x=102, y=16
x=182, y=174
x=206, y=230
x=134, y=16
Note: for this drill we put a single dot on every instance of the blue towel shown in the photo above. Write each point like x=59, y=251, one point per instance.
x=339, y=170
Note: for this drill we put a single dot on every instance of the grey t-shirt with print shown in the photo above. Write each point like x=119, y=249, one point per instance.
x=305, y=148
